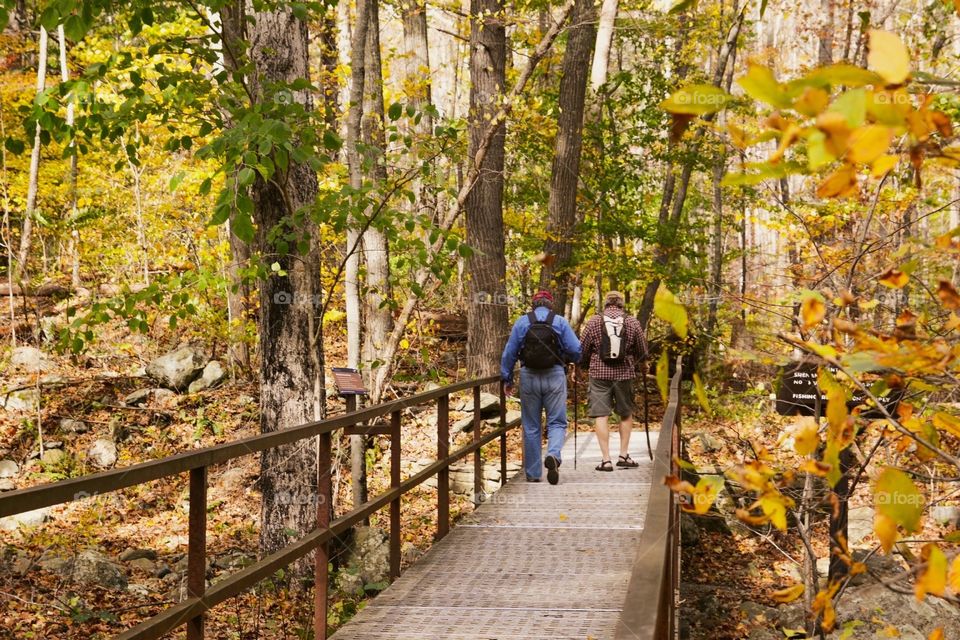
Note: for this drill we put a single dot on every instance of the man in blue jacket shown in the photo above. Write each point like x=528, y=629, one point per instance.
x=543, y=342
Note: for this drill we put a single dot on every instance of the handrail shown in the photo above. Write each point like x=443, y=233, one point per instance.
x=649, y=605
x=45, y=495
x=190, y=612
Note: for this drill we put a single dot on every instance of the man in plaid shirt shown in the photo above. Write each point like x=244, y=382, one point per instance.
x=611, y=383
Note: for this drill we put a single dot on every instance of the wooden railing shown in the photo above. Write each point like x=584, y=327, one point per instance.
x=649, y=611
x=200, y=598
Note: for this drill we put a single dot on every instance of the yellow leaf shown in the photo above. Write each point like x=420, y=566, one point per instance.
x=812, y=311
x=839, y=184
x=897, y=497
x=789, y=594
x=954, y=578
x=948, y=295
x=894, y=278
x=696, y=100
x=933, y=576
x=701, y=393
x=705, y=493
x=952, y=322
x=663, y=375
x=883, y=165
x=774, y=506
x=947, y=422
x=813, y=101
x=805, y=436
x=737, y=136
x=668, y=308
x=937, y=634
x=563, y=517
x=834, y=126
x=404, y=344
x=868, y=143
x=886, y=531
x=888, y=56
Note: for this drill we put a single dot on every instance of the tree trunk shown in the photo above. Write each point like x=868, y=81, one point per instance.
x=26, y=232
x=291, y=342
x=418, y=90
x=716, y=267
x=74, y=245
x=565, y=173
x=601, y=56
x=486, y=266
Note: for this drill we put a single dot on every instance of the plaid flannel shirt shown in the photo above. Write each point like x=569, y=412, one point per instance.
x=635, y=347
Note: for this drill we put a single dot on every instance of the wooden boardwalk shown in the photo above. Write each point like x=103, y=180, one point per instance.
x=534, y=561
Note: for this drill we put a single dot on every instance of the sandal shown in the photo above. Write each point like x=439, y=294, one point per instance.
x=605, y=465
x=627, y=461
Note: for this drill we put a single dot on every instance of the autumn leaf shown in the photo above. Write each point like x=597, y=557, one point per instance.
x=704, y=494
x=868, y=143
x=788, y=594
x=813, y=101
x=805, y=436
x=812, y=311
x=823, y=606
x=947, y=422
x=668, y=308
x=886, y=531
x=888, y=56
x=760, y=84
x=898, y=500
x=774, y=506
x=883, y=165
x=933, y=575
x=663, y=375
x=954, y=577
x=937, y=634
x=894, y=278
x=546, y=259
x=841, y=183
x=701, y=393
x=948, y=295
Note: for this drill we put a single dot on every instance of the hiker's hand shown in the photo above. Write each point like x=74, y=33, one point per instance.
x=508, y=388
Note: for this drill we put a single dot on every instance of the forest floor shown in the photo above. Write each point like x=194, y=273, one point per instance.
x=39, y=596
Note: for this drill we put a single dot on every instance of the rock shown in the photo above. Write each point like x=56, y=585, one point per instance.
x=142, y=396
x=177, y=369
x=137, y=554
x=92, y=567
x=22, y=400
x=945, y=515
x=102, y=453
x=233, y=561
x=27, y=519
x=463, y=424
x=859, y=524
x=53, y=444
x=52, y=380
x=489, y=404
x=140, y=590
x=709, y=442
x=689, y=532
x=52, y=457
x=369, y=560
x=53, y=561
x=7, y=485
x=8, y=469
x=877, y=606
x=213, y=374
x=73, y=426
x=16, y=560
x=30, y=359
x=144, y=564
x=162, y=571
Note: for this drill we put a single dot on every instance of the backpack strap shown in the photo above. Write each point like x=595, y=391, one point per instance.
x=550, y=316
x=533, y=318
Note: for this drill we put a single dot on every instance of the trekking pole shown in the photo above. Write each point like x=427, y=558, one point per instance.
x=575, y=413
x=646, y=412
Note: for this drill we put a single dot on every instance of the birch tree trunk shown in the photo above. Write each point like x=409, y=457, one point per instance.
x=418, y=89
x=601, y=55
x=74, y=246
x=26, y=232
x=291, y=341
x=486, y=266
x=565, y=173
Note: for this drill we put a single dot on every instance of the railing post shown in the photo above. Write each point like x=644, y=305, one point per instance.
x=503, y=435
x=197, y=547
x=395, y=503
x=443, y=477
x=478, y=494
x=322, y=558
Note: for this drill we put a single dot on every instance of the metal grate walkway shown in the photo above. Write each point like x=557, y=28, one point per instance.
x=534, y=561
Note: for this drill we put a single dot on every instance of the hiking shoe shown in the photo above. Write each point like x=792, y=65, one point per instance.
x=628, y=462
x=604, y=465
x=532, y=479
x=552, y=465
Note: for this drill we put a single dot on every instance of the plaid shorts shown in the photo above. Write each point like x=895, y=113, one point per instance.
x=609, y=396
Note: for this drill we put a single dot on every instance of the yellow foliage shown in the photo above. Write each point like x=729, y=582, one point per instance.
x=888, y=57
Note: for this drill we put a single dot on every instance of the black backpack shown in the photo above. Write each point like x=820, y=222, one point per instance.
x=541, y=348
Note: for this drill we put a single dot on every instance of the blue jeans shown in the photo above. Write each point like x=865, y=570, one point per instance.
x=542, y=391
